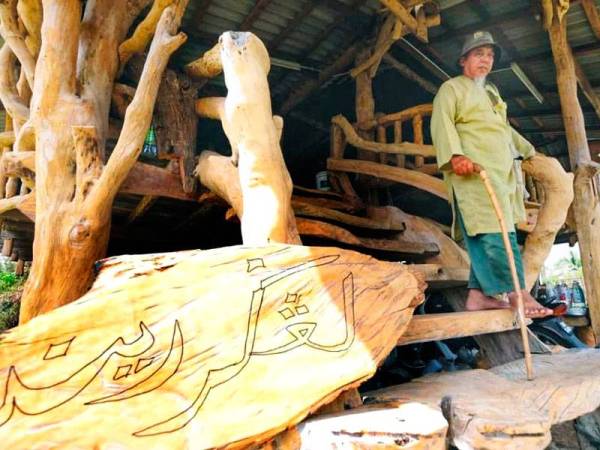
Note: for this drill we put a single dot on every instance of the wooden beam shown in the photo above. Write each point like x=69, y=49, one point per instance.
x=496, y=21
x=300, y=93
x=586, y=203
x=410, y=74
x=402, y=148
x=145, y=179
x=142, y=207
x=591, y=11
x=419, y=180
x=586, y=87
x=441, y=277
x=543, y=56
x=399, y=246
x=438, y=327
x=201, y=9
x=402, y=14
x=307, y=209
x=338, y=20
x=259, y=7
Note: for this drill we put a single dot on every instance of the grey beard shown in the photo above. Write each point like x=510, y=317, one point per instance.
x=479, y=81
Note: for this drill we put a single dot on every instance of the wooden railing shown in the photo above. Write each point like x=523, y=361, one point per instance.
x=400, y=161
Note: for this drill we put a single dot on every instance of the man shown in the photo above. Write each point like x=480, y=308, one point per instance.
x=469, y=126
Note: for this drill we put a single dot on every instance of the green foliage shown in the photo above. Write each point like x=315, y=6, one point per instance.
x=10, y=294
x=9, y=313
x=8, y=281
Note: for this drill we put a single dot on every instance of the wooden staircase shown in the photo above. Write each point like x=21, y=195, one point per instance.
x=436, y=327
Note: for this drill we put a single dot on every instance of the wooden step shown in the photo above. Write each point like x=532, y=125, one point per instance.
x=498, y=409
x=437, y=327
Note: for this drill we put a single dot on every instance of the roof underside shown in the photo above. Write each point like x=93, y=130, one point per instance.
x=313, y=33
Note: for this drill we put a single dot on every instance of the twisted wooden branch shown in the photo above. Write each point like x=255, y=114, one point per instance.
x=139, y=113
x=208, y=65
x=30, y=13
x=9, y=96
x=142, y=35
x=15, y=38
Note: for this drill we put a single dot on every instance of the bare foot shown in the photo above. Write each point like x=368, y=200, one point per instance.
x=477, y=301
x=533, y=310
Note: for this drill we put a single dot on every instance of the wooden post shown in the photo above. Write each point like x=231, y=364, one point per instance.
x=7, y=246
x=365, y=112
x=417, y=123
x=585, y=205
x=400, y=159
x=20, y=267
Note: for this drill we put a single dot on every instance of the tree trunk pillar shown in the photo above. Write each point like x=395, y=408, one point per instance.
x=585, y=205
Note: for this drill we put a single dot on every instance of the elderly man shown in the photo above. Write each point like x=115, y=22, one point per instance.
x=469, y=126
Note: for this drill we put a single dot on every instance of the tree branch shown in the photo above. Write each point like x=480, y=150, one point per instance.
x=139, y=113
x=143, y=33
x=57, y=72
x=7, y=204
x=7, y=138
x=25, y=139
x=30, y=13
x=208, y=65
x=20, y=165
x=15, y=38
x=9, y=96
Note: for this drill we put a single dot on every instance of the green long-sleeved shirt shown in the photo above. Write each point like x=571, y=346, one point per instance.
x=466, y=121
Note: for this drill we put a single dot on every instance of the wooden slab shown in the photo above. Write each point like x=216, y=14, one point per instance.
x=201, y=349
x=499, y=409
x=397, y=426
x=437, y=327
x=306, y=209
x=419, y=180
x=399, y=246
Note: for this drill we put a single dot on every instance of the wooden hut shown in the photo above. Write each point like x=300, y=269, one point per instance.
x=237, y=127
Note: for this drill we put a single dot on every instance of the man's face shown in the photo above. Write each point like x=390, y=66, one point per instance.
x=478, y=62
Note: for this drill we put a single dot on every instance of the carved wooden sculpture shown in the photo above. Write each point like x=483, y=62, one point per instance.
x=201, y=349
x=558, y=186
x=81, y=47
x=254, y=134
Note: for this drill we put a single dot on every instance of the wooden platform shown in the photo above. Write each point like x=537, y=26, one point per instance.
x=499, y=409
x=436, y=327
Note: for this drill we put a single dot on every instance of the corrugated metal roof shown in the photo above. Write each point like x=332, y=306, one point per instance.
x=314, y=32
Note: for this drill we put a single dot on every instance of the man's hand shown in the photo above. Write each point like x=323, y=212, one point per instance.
x=462, y=165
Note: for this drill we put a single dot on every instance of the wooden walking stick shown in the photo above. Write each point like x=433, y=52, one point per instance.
x=513, y=268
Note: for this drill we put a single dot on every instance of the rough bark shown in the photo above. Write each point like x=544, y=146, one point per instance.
x=71, y=100
x=586, y=202
x=177, y=125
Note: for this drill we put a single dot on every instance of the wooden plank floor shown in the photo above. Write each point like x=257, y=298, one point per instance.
x=436, y=327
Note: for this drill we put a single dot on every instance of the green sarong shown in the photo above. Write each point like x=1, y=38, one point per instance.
x=490, y=271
